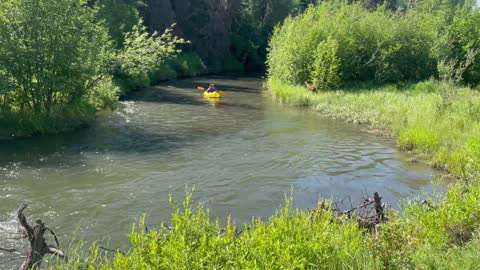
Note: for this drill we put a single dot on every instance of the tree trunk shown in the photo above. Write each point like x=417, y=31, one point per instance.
x=221, y=15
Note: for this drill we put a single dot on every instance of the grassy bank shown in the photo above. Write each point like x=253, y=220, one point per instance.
x=437, y=121
x=426, y=236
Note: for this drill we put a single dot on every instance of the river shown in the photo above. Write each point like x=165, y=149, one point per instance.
x=242, y=154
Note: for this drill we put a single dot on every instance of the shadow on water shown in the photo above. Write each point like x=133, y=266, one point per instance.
x=69, y=150
x=164, y=94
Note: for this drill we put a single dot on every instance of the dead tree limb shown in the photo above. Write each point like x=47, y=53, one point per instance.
x=378, y=207
x=38, y=246
x=368, y=214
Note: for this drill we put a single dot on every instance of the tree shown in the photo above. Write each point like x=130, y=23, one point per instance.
x=51, y=51
x=57, y=57
x=120, y=17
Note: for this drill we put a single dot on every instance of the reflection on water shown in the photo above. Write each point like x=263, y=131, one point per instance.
x=242, y=153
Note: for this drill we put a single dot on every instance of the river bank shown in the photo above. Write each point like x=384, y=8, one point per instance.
x=435, y=121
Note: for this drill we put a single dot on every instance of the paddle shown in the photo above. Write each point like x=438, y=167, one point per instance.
x=201, y=88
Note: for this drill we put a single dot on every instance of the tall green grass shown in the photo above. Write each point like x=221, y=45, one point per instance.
x=437, y=121
x=429, y=235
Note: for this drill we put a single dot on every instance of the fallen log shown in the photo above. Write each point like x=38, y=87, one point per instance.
x=38, y=246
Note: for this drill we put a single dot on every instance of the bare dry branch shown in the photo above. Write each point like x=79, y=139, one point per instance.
x=23, y=220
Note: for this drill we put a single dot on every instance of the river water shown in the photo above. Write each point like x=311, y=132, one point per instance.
x=242, y=154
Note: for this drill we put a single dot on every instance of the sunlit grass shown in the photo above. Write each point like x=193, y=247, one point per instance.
x=437, y=121
x=426, y=236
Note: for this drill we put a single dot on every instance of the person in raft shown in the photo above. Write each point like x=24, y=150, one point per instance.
x=211, y=88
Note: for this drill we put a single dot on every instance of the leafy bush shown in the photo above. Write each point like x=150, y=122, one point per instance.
x=428, y=235
x=377, y=45
x=325, y=71
x=52, y=61
x=52, y=66
x=185, y=64
x=189, y=64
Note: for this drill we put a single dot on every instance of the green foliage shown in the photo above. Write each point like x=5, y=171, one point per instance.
x=253, y=25
x=427, y=235
x=292, y=239
x=51, y=60
x=185, y=64
x=378, y=44
x=231, y=64
x=431, y=235
x=56, y=62
x=188, y=64
x=464, y=33
x=418, y=137
x=325, y=70
x=143, y=53
x=120, y=16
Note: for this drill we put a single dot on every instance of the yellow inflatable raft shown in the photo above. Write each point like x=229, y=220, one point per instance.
x=211, y=95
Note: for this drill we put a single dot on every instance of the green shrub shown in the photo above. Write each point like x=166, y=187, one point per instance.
x=376, y=45
x=427, y=235
x=231, y=64
x=189, y=64
x=326, y=65
x=185, y=64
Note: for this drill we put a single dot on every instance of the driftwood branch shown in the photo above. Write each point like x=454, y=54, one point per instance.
x=38, y=246
x=23, y=220
x=368, y=214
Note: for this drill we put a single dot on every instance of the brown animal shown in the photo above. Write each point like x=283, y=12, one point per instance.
x=311, y=87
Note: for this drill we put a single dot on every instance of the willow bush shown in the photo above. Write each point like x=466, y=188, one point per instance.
x=380, y=45
x=325, y=70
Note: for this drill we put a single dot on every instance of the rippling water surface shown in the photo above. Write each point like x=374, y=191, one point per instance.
x=242, y=154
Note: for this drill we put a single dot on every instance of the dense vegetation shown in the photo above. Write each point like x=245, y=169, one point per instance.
x=404, y=68
x=57, y=60
x=335, y=45
x=426, y=236
x=225, y=35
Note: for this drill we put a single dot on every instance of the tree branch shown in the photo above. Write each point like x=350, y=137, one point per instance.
x=23, y=220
